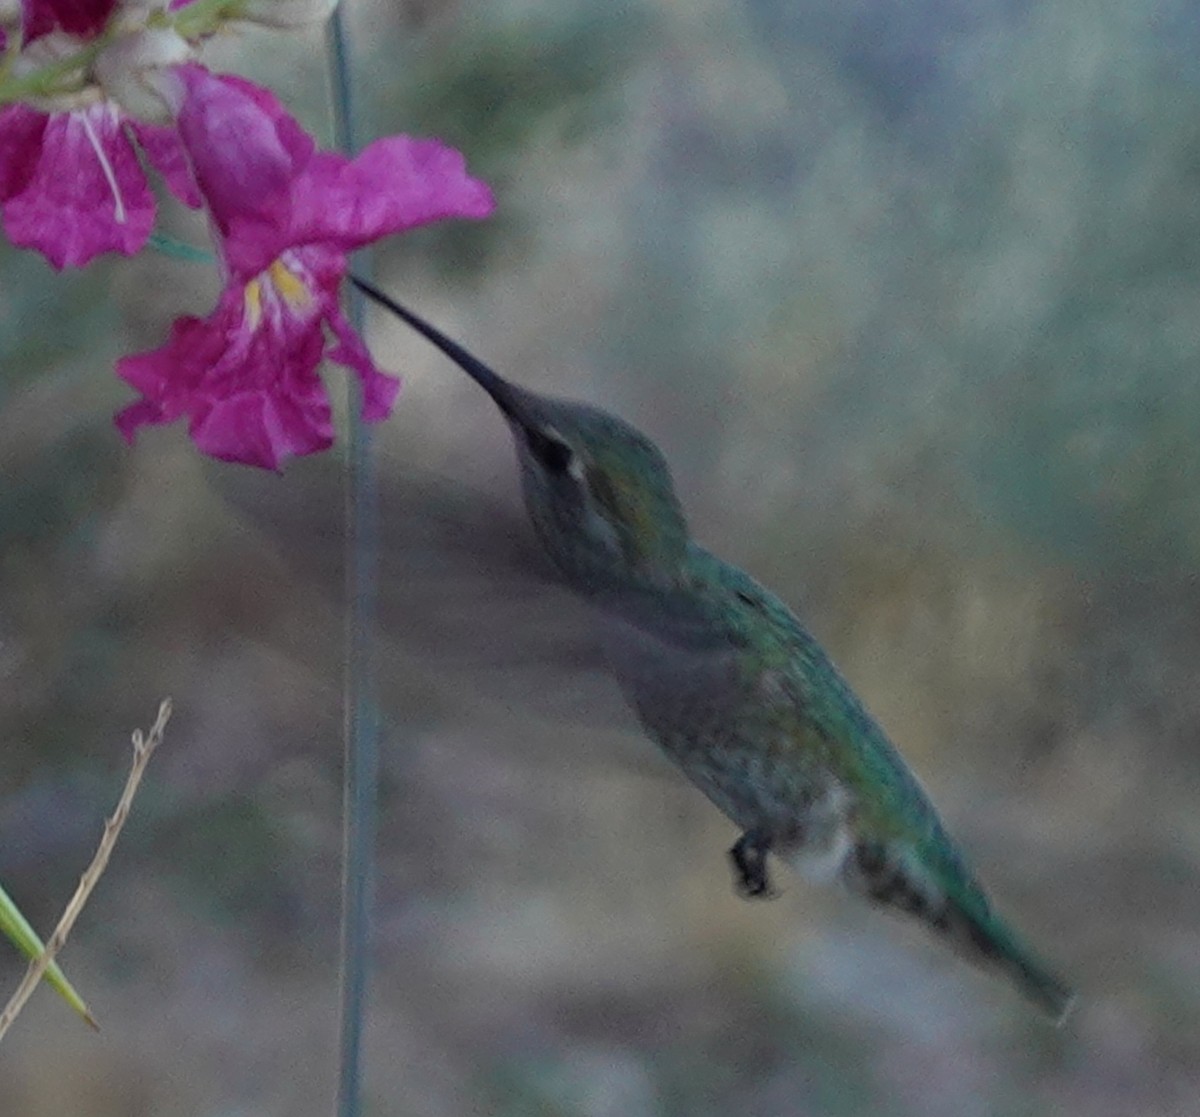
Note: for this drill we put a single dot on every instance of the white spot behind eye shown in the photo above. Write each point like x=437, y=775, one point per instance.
x=575, y=468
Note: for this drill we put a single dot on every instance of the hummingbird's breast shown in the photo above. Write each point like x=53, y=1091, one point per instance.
x=732, y=728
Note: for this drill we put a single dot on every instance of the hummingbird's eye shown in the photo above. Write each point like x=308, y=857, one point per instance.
x=552, y=452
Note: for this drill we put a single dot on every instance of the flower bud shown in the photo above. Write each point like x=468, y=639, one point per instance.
x=129, y=70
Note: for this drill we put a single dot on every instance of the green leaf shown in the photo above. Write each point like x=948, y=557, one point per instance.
x=17, y=928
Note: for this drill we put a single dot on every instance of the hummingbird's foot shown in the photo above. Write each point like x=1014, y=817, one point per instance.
x=749, y=857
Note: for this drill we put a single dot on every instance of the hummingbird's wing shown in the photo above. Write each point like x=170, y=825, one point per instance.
x=899, y=853
x=465, y=593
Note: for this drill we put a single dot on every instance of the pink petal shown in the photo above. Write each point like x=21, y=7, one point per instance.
x=379, y=389
x=166, y=153
x=256, y=428
x=66, y=207
x=393, y=185
x=322, y=270
x=251, y=395
x=269, y=189
x=167, y=375
x=21, y=133
x=244, y=147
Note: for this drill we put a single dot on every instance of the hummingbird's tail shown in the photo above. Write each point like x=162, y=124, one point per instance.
x=956, y=909
x=984, y=938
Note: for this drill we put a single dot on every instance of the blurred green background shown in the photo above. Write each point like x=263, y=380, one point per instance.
x=908, y=293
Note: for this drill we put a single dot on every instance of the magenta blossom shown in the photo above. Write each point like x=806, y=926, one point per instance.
x=268, y=188
x=71, y=184
x=246, y=377
x=284, y=214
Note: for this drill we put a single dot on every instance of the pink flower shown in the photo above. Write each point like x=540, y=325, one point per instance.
x=246, y=377
x=71, y=185
x=268, y=188
x=71, y=182
x=284, y=214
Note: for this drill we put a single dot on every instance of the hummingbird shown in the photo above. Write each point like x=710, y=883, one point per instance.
x=723, y=676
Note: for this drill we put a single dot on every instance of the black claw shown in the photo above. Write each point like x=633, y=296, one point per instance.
x=749, y=857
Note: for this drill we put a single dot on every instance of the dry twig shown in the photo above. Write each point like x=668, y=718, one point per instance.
x=143, y=748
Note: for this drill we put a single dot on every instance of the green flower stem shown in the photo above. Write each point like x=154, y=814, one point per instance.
x=179, y=250
x=64, y=75
x=361, y=728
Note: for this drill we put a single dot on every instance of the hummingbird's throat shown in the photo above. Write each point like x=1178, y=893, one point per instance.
x=646, y=547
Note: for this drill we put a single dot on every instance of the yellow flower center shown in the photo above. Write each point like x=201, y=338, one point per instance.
x=289, y=285
x=286, y=283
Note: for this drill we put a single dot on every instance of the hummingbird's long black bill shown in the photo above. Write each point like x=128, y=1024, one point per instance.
x=495, y=385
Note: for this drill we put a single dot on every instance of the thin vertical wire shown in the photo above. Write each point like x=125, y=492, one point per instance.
x=361, y=725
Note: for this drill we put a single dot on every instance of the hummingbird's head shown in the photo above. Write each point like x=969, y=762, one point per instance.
x=598, y=491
